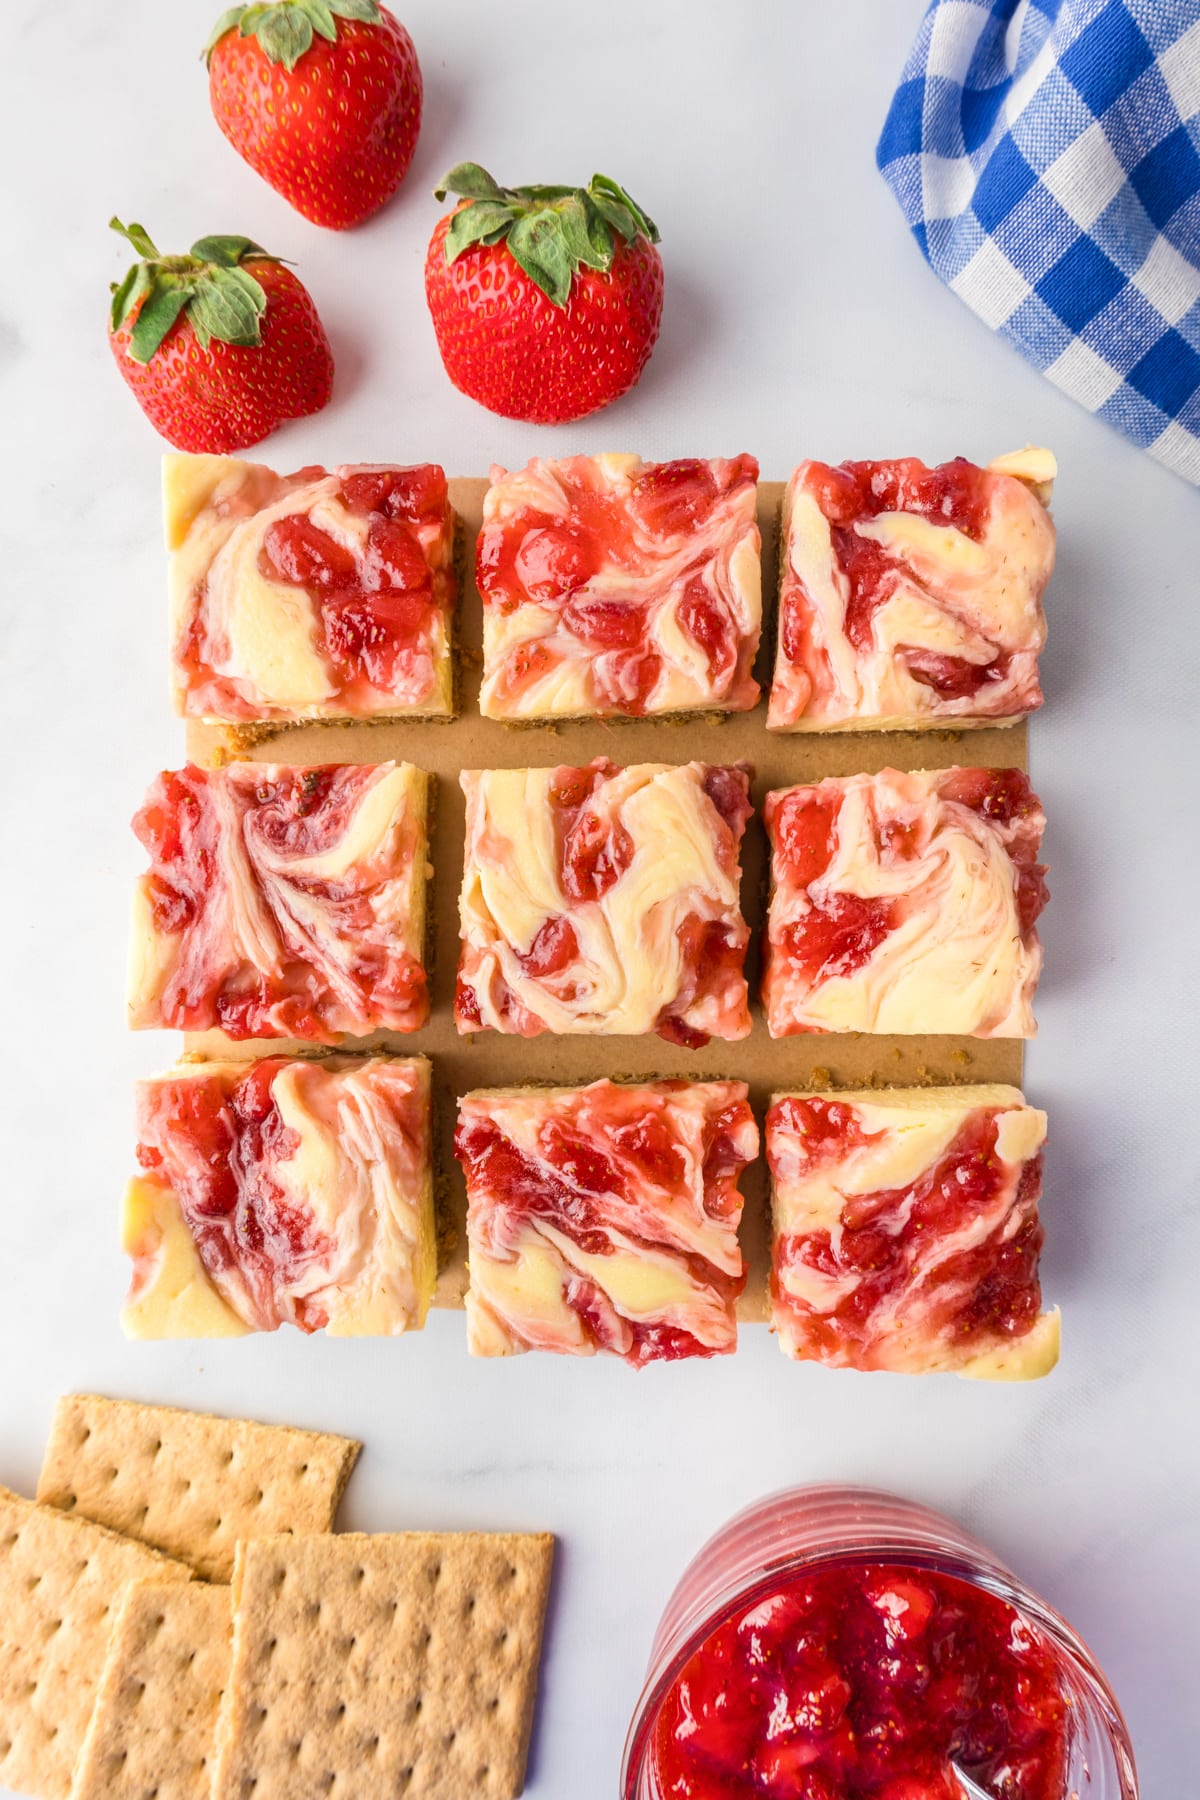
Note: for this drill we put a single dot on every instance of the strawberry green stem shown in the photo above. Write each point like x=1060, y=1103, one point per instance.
x=211, y=285
x=284, y=29
x=552, y=232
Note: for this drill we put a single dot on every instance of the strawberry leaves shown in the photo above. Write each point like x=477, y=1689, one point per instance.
x=127, y=294
x=155, y=319
x=484, y=223
x=471, y=182
x=284, y=29
x=211, y=284
x=284, y=33
x=539, y=244
x=227, y=251
x=227, y=304
x=621, y=210
x=551, y=231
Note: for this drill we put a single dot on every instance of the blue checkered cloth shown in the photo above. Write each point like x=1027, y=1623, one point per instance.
x=1046, y=154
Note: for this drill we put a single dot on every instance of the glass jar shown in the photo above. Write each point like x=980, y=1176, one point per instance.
x=804, y=1529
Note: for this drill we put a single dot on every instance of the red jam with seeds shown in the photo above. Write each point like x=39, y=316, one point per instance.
x=864, y=1683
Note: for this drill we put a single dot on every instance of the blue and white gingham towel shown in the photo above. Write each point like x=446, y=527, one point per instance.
x=1047, y=155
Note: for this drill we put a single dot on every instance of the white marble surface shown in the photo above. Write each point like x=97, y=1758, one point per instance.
x=799, y=319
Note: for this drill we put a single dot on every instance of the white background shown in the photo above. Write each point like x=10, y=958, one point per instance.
x=800, y=320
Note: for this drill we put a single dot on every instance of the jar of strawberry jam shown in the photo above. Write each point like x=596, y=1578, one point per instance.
x=833, y=1643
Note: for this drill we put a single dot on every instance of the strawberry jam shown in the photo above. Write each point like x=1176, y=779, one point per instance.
x=954, y=677
x=839, y=1643
x=557, y=1190
x=676, y=496
x=837, y=935
x=866, y=1682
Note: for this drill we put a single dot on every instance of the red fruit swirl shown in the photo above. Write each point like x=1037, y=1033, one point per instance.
x=220, y=1148
x=956, y=494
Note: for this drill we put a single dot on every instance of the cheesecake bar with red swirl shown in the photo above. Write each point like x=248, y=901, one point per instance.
x=282, y=1192
x=604, y=900
x=614, y=587
x=911, y=597
x=282, y=902
x=906, y=903
x=327, y=594
x=605, y=1218
x=906, y=1233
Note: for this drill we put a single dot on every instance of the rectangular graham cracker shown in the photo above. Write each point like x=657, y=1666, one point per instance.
x=61, y=1582
x=780, y=759
x=188, y=1483
x=153, y=1730
x=390, y=1665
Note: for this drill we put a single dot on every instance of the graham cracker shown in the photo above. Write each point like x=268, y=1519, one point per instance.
x=154, y=1725
x=402, y=1665
x=188, y=1483
x=61, y=1581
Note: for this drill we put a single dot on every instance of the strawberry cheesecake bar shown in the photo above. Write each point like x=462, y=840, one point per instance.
x=613, y=587
x=906, y=1233
x=604, y=900
x=282, y=1192
x=911, y=597
x=319, y=595
x=605, y=1218
x=905, y=903
x=282, y=902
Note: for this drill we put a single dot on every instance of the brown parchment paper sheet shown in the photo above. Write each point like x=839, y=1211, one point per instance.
x=491, y=1060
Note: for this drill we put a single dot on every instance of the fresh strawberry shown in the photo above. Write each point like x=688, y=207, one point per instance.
x=546, y=301
x=322, y=98
x=221, y=345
